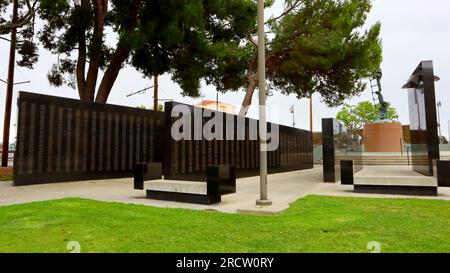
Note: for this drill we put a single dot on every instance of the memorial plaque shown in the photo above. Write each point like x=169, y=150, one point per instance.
x=64, y=140
x=294, y=153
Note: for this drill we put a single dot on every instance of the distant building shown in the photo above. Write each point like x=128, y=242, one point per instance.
x=217, y=106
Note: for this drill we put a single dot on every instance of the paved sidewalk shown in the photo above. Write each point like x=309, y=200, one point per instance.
x=284, y=189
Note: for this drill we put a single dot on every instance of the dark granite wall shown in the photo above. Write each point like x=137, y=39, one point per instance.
x=423, y=118
x=188, y=159
x=63, y=140
x=339, y=143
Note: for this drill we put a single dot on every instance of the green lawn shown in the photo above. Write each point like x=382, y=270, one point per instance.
x=312, y=224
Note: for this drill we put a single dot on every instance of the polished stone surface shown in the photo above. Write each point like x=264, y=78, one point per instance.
x=423, y=118
x=237, y=145
x=146, y=172
x=443, y=173
x=347, y=172
x=339, y=143
x=64, y=140
x=225, y=175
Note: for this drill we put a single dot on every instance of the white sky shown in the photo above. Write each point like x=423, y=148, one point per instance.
x=412, y=30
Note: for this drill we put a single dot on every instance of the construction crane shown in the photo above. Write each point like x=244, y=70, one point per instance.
x=377, y=96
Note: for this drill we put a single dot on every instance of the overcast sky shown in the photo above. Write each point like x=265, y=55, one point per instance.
x=412, y=30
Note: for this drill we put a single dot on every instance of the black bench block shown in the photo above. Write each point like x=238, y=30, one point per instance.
x=347, y=175
x=208, y=199
x=146, y=172
x=224, y=176
x=443, y=173
x=397, y=190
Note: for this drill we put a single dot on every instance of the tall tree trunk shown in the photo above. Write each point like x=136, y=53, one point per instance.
x=100, y=10
x=82, y=55
x=118, y=59
x=111, y=74
x=252, y=82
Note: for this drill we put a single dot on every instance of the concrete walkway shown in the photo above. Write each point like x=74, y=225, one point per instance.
x=283, y=189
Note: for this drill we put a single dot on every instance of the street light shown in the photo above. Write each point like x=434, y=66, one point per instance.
x=264, y=200
x=448, y=132
x=439, y=105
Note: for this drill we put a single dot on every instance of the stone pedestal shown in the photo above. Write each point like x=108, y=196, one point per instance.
x=383, y=138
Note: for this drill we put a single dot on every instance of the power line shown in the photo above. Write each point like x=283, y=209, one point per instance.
x=142, y=91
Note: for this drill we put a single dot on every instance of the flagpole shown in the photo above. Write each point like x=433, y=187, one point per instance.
x=293, y=117
x=264, y=200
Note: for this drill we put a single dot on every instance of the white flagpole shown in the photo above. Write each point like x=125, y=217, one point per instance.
x=264, y=200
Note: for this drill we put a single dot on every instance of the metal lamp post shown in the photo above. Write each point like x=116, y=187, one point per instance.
x=448, y=131
x=264, y=200
x=439, y=105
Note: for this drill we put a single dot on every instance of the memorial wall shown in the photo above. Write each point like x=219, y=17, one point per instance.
x=188, y=159
x=62, y=140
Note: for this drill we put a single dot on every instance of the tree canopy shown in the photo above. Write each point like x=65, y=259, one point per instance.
x=355, y=116
x=188, y=39
x=24, y=26
x=318, y=46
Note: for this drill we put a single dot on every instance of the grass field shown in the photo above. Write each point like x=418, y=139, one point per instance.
x=312, y=224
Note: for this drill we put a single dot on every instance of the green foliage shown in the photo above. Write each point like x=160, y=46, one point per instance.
x=355, y=116
x=26, y=47
x=188, y=39
x=160, y=107
x=318, y=48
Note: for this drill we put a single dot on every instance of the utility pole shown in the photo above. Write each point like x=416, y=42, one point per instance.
x=311, y=112
x=264, y=200
x=439, y=104
x=448, y=131
x=217, y=101
x=9, y=88
x=293, y=118
x=155, y=94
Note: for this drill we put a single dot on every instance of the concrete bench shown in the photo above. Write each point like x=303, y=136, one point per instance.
x=220, y=180
x=205, y=193
x=389, y=180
